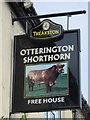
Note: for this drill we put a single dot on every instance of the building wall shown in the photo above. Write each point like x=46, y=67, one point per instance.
x=8, y=32
x=66, y=114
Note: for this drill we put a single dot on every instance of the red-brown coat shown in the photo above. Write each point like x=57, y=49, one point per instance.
x=46, y=76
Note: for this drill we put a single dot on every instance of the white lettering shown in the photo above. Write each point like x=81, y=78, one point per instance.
x=55, y=49
x=23, y=52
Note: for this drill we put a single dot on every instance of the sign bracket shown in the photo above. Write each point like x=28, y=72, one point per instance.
x=67, y=14
x=26, y=27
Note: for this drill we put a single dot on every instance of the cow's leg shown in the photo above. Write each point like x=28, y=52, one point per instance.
x=48, y=88
x=30, y=84
x=29, y=87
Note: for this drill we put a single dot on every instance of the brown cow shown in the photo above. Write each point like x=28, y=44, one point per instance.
x=46, y=76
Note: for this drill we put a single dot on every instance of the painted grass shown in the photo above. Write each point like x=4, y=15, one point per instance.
x=59, y=89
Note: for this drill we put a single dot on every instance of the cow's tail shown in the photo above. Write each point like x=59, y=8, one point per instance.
x=30, y=83
x=28, y=79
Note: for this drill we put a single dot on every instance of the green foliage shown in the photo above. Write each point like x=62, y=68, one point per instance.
x=2, y=118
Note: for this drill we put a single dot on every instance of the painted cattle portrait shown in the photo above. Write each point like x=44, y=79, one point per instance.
x=45, y=76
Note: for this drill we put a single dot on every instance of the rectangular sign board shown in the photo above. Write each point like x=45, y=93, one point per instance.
x=46, y=75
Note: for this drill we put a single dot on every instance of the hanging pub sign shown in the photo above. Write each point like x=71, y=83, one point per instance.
x=46, y=76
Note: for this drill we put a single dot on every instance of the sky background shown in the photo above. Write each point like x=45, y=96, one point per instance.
x=76, y=22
